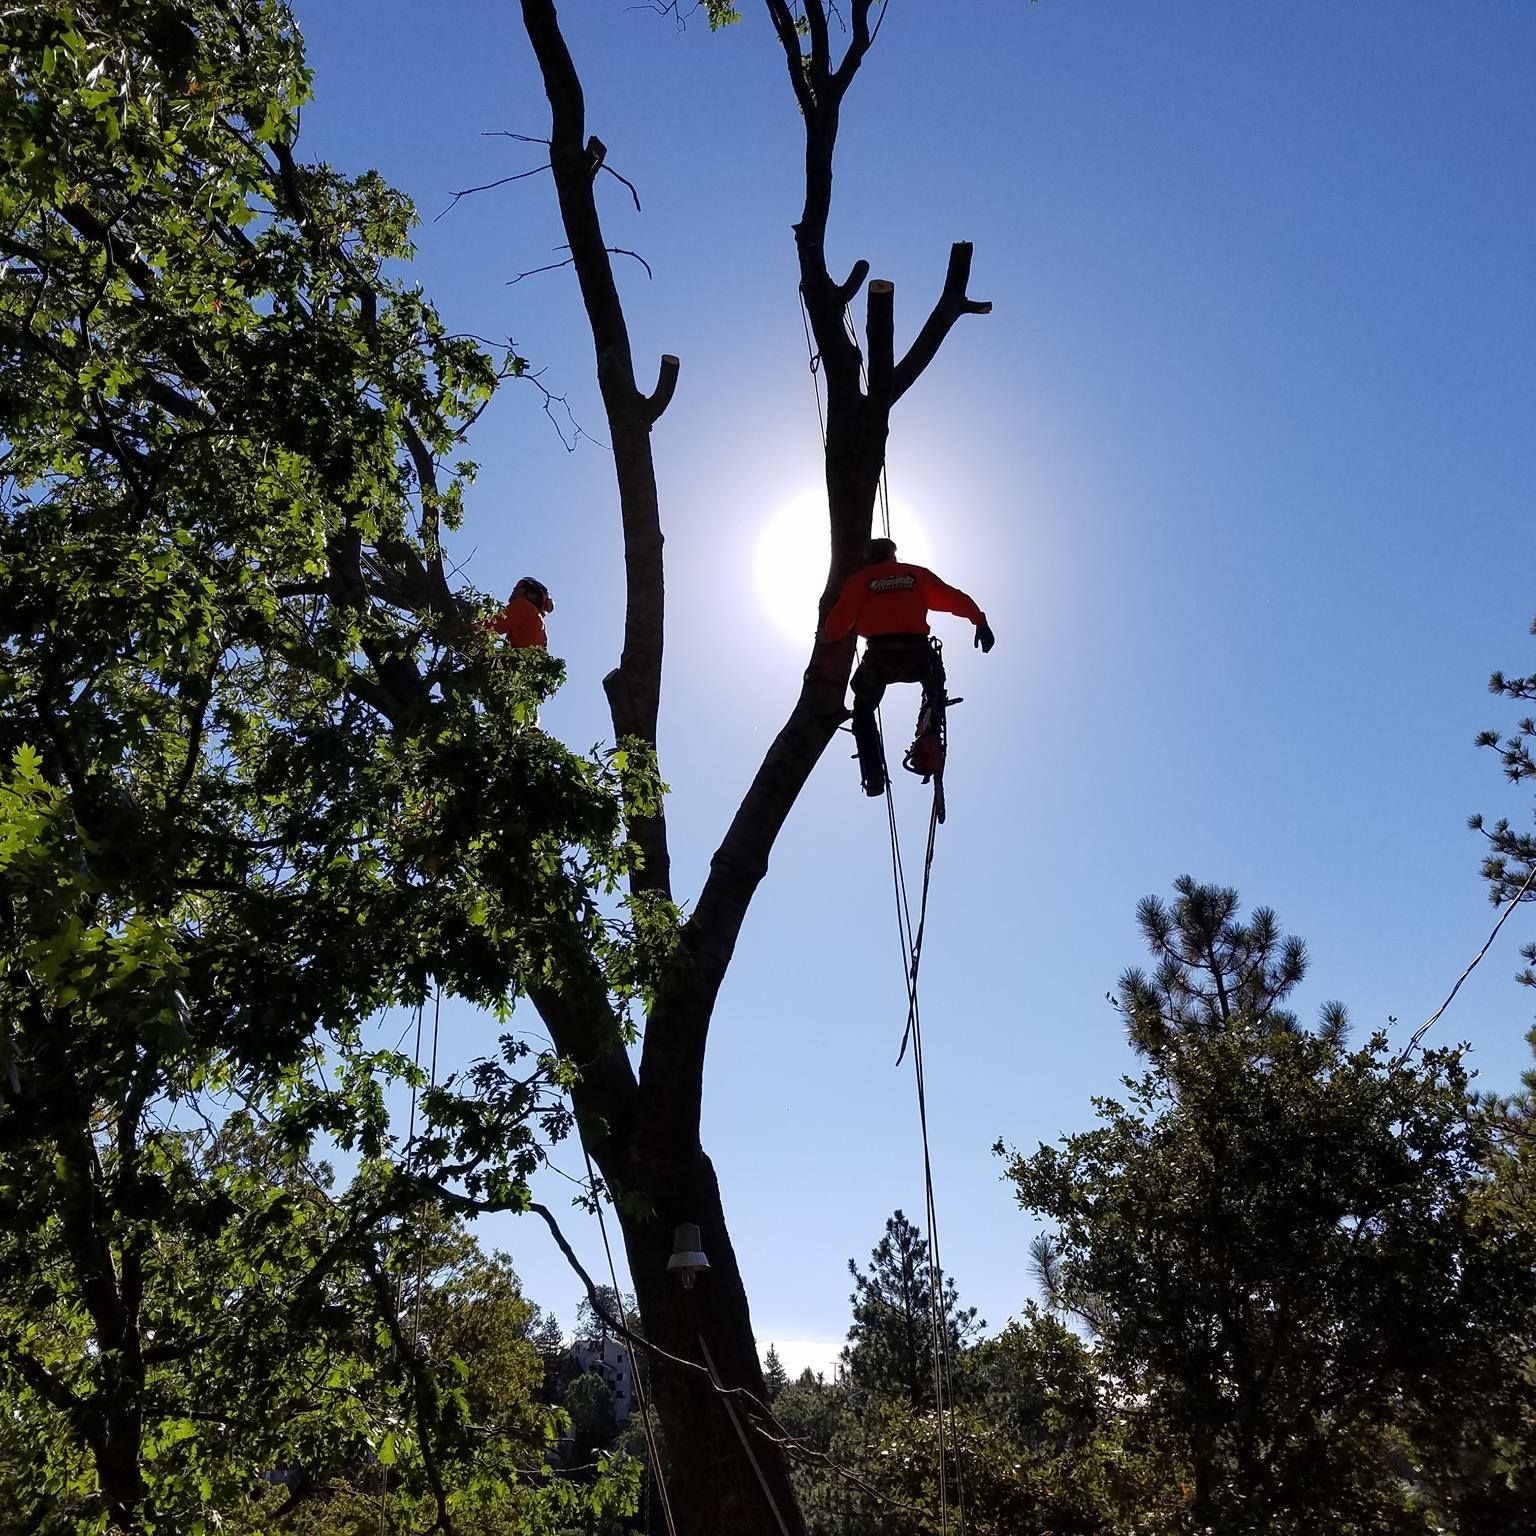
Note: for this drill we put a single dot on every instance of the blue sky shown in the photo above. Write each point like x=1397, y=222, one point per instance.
x=1240, y=467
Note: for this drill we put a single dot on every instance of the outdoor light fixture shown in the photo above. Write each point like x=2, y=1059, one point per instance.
x=687, y=1258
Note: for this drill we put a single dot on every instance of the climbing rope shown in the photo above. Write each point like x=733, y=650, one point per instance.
x=437, y=1019
x=634, y=1364
x=741, y=1434
x=911, y=940
x=815, y=366
x=410, y=1140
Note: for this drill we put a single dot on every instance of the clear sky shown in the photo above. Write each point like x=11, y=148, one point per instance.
x=1240, y=467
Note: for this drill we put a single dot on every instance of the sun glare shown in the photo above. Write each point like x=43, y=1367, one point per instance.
x=790, y=561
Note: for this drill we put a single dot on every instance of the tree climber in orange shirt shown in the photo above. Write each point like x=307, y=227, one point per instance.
x=888, y=603
x=521, y=622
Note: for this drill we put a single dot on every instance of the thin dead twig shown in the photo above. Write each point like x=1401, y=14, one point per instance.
x=551, y=402
x=555, y=266
x=489, y=186
x=627, y=182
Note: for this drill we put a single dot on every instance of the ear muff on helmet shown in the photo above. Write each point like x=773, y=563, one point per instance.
x=881, y=549
x=536, y=593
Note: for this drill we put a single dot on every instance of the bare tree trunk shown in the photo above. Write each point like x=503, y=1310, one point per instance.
x=727, y=1471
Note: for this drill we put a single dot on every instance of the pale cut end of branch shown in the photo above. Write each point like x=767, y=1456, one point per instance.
x=666, y=385
x=881, y=287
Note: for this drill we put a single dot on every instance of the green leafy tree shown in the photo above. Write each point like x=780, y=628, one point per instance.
x=262, y=777
x=1274, y=1238
x=890, y=1350
x=1038, y=1445
x=816, y=1415
x=464, y=1316
x=594, y=1426
x=1046, y=1441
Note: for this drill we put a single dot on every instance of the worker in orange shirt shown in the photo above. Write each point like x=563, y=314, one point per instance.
x=888, y=603
x=521, y=622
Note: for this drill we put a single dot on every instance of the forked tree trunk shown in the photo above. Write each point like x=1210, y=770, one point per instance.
x=727, y=1467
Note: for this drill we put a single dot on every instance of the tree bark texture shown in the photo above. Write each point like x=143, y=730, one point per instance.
x=643, y=1131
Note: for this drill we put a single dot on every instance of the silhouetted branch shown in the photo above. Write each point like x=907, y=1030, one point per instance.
x=490, y=186
x=551, y=400
x=627, y=182
x=666, y=385
x=570, y=261
x=848, y=290
x=952, y=303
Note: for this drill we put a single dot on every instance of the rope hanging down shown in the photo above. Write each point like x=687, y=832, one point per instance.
x=410, y=1144
x=912, y=956
x=911, y=940
x=634, y=1363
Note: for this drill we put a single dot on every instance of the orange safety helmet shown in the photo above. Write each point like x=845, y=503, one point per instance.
x=536, y=593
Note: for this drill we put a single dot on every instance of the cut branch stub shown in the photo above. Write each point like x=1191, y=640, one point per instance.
x=880, y=327
x=847, y=290
x=666, y=385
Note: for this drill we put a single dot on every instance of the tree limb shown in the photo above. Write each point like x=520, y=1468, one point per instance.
x=634, y=688
x=848, y=290
x=952, y=303
x=783, y=20
x=666, y=385
x=857, y=48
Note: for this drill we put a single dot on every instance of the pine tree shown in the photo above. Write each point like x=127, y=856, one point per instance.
x=775, y=1377
x=890, y=1341
x=1214, y=972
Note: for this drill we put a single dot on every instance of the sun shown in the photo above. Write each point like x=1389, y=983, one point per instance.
x=790, y=559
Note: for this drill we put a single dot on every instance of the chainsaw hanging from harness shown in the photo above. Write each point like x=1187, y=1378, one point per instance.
x=930, y=741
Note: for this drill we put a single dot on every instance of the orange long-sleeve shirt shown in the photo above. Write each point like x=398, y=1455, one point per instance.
x=521, y=624
x=893, y=598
